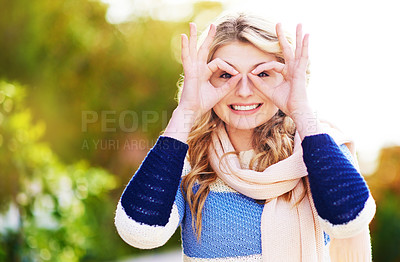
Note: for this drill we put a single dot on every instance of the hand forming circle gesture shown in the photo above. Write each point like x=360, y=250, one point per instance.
x=198, y=94
x=290, y=95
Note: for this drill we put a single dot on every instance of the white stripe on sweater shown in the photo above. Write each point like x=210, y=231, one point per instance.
x=251, y=258
x=143, y=236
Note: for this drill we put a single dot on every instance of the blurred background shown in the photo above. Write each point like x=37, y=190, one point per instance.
x=87, y=86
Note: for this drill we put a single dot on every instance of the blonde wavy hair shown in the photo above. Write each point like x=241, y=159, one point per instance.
x=272, y=141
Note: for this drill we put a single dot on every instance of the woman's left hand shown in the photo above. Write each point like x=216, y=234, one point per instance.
x=290, y=95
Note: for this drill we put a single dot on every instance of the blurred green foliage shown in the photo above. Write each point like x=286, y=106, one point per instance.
x=71, y=60
x=60, y=176
x=385, y=187
x=51, y=211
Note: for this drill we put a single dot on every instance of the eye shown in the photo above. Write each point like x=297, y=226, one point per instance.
x=225, y=76
x=263, y=74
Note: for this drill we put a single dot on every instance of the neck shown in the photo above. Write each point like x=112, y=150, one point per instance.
x=241, y=139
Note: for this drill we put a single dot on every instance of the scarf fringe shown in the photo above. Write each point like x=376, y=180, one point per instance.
x=357, y=248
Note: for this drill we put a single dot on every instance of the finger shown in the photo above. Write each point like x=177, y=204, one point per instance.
x=299, y=38
x=193, y=40
x=228, y=86
x=219, y=64
x=260, y=85
x=205, y=47
x=285, y=46
x=273, y=65
x=257, y=81
x=184, y=48
x=304, y=53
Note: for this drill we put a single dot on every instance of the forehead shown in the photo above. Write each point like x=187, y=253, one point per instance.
x=243, y=55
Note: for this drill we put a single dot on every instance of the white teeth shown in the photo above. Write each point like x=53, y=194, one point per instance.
x=244, y=108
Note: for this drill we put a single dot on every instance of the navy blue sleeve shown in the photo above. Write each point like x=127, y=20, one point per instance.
x=150, y=194
x=338, y=189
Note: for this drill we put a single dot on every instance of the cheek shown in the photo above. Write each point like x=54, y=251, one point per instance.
x=218, y=109
x=273, y=80
x=277, y=78
x=221, y=110
x=215, y=81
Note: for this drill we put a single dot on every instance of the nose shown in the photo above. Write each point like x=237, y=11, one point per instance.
x=244, y=87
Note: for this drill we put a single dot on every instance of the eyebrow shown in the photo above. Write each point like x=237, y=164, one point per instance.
x=254, y=66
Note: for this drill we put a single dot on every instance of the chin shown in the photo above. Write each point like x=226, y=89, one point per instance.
x=244, y=124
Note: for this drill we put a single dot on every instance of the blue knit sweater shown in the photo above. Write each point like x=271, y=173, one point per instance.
x=152, y=205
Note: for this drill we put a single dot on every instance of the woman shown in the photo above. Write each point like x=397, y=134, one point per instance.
x=262, y=177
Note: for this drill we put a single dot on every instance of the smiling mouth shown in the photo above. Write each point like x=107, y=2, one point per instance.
x=245, y=108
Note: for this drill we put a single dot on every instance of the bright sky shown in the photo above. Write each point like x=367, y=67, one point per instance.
x=354, y=53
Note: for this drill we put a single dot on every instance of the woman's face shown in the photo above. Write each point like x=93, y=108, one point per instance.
x=245, y=107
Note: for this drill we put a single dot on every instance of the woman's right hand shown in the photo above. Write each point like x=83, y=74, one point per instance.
x=198, y=94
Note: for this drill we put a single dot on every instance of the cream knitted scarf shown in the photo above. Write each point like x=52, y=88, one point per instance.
x=289, y=231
